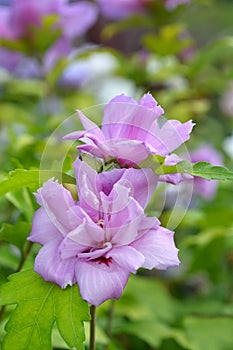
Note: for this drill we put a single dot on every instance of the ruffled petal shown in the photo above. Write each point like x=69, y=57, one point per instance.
x=127, y=257
x=158, y=248
x=149, y=102
x=52, y=268
x=43, y=229
x=169, y=136
x=58, y=204
x=100, y=280
x=88, y=188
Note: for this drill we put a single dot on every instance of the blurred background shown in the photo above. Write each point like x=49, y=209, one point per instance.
x=57, y=56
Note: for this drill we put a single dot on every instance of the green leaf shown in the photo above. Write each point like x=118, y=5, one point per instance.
x=210, y=333
x=15, y=234
x=23, y=201
x=20, y=178
x=211, y=172
x=201, y=169
x=39, y=305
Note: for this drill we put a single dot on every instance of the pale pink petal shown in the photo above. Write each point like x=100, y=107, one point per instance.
x=169, y=136
x=127, y=257
x=117, y=111
x=88, y=188
x=119, y=207
x=94, y=254
x=52, y=268
x=70, y=249
x=149, y=102
x=129, y=152
x=142, y=183
x=43, y=230
x=158, y=248
x=58, y=204
x=87, y=234
x=100, y=280
x=90, y=126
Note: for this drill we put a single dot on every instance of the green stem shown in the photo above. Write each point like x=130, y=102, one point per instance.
x=92, y=327
x=24, y=255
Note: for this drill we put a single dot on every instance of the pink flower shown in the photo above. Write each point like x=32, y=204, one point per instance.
x=206, y=153
x=100, y=240
x=73, y=19
x=119, y=9
x=131, y=131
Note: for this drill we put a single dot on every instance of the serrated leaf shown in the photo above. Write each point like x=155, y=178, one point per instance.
x=201, y=169
x=15, y=234
x=20, y=178
x=39, y=305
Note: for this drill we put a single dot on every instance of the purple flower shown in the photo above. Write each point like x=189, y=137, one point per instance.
x=206, y=153
x=73, y=19
x=98, y=241
x=131, y=131
x=119, y=9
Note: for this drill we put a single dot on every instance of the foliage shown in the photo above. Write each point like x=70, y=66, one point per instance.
x=184, y=58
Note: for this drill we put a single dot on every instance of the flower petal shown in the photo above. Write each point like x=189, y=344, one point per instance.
x=52, y=268
x=88, y=188
x=169, y=136
x=158, y=248
x=99, y=280
x=58, y=204
x=43, y=229
x=127, y=257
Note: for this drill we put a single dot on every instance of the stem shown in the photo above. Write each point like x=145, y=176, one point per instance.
x=92, y=327
x=24, y=256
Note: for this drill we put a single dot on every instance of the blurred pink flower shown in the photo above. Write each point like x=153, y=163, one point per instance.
x=131, y=131
x=206, y=153
x=73, y=19
x=119, y=9
x=100, y=240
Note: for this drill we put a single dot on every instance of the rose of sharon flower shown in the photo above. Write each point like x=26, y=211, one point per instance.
x=121, y=8
x=73, y=19
x=206, y=153
x=131, y=131
x=98, y=241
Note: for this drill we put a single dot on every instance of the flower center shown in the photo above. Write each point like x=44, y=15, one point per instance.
x=102, y=260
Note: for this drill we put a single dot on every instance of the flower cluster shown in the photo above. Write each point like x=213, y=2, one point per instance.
x=22, y=23
x=100, y=239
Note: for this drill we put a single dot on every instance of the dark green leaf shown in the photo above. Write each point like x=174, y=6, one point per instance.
x=39, y=305
x=15, y=234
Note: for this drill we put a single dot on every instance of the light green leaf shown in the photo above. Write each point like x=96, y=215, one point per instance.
x=39, y=305
x=210, y=333
x=20, y=178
